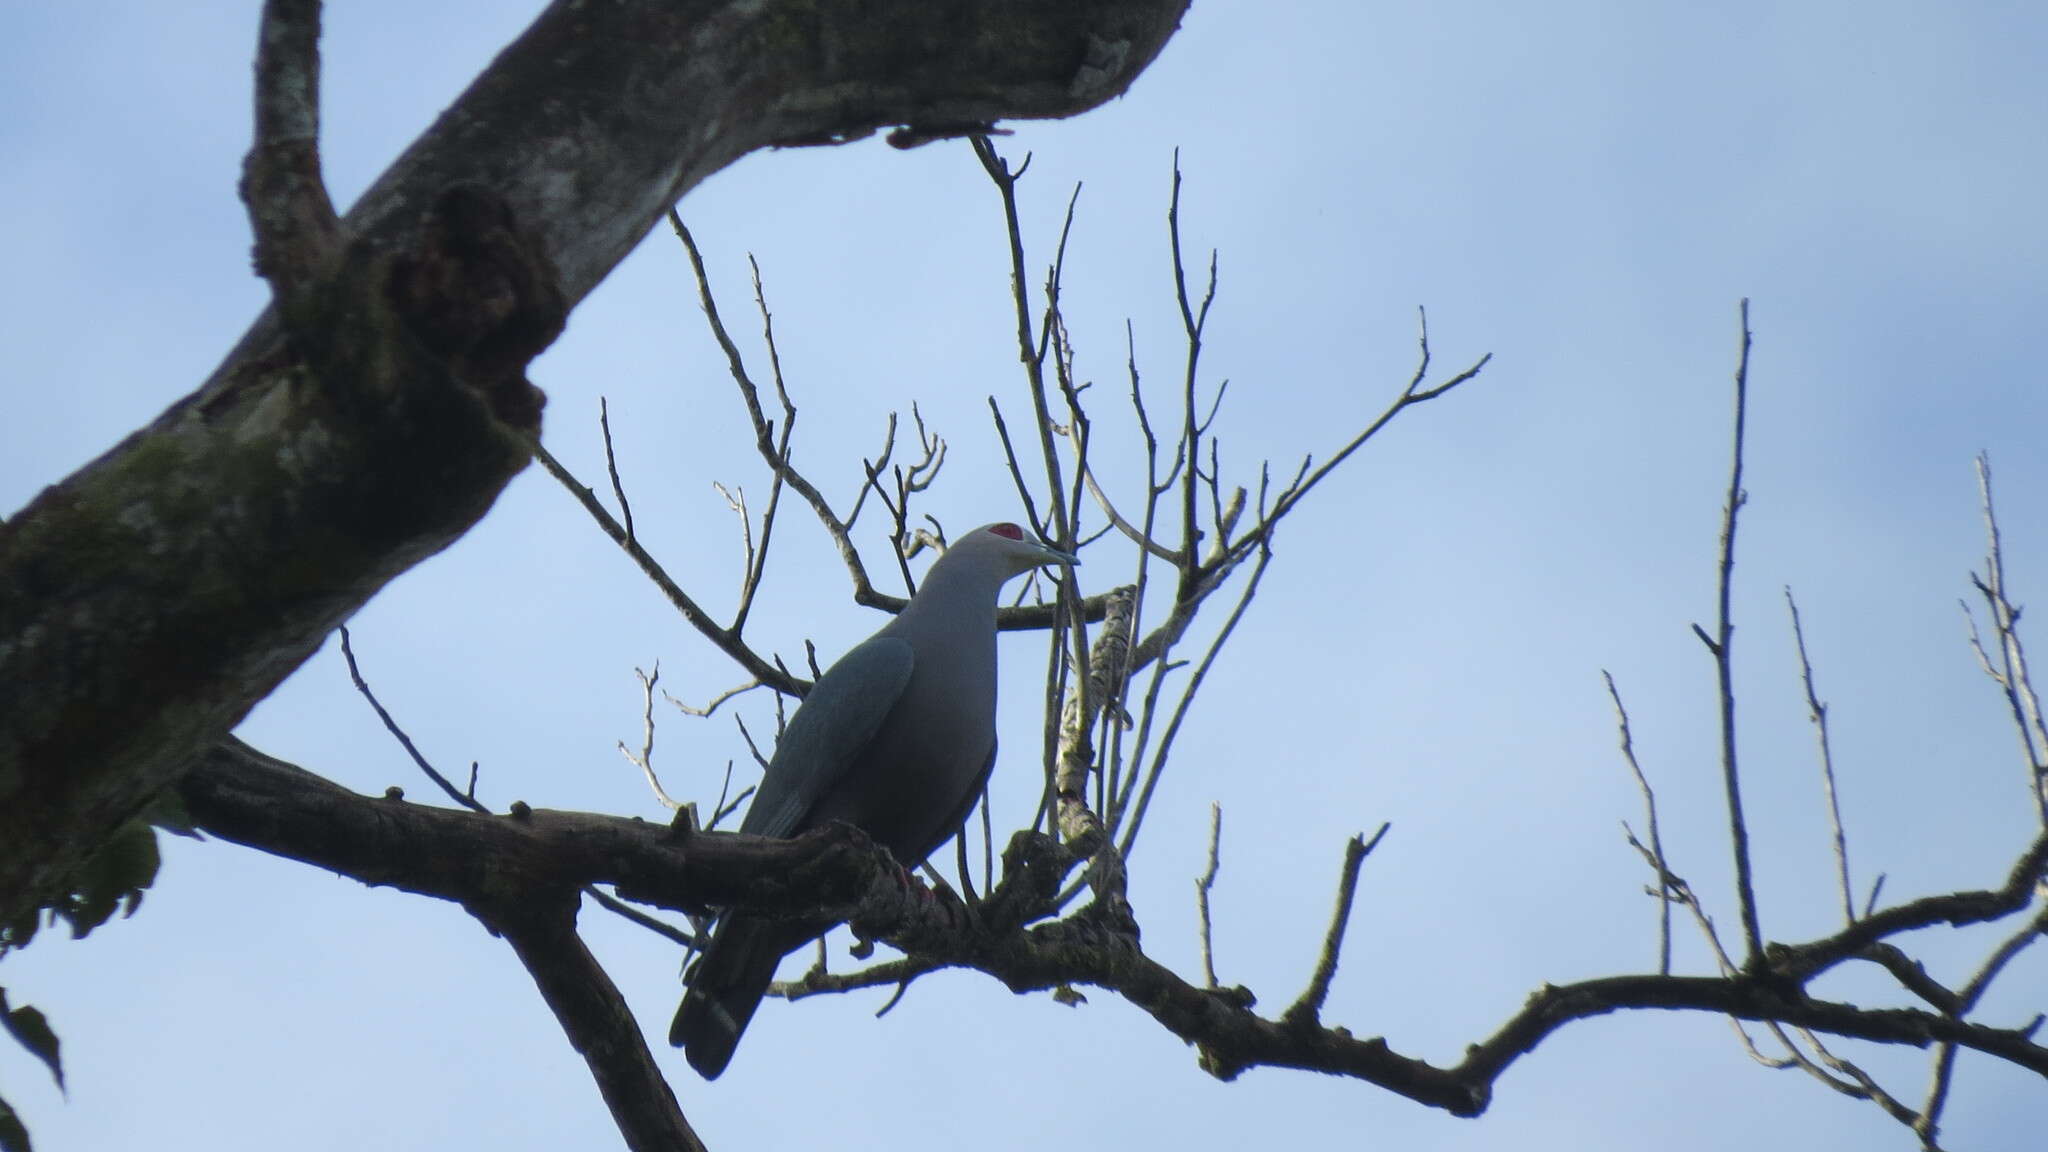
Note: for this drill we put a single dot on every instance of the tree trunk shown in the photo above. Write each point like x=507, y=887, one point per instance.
x=151, y=599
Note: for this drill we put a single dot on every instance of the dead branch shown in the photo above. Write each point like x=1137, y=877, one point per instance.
x=466, y=799
x=1128, y=817
x=1818, y=713
x=1203, y=885
x=1721, y=645
x=1308, y=1009
x=644, y=760
x=611, y=467
x=2010, y=674
x=726, y=640
x=774, y=447
x=1654, y=854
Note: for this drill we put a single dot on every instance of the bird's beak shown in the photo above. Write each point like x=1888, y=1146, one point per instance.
x=1055, y=556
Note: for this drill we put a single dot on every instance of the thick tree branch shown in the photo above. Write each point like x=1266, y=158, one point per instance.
x=147, y=602
x=150, y=600
x=599, y=1026
x=505, y=862
x=1744, y=998
x=1804, y=961
x=297, y=234
x=482, y=861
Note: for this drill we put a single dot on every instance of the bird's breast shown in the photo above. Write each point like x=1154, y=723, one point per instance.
x=926, y=762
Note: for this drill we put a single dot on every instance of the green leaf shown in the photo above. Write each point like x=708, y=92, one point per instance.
x=13, y=1134
x=125, y=865
x=111, y=880
x=32, y=1029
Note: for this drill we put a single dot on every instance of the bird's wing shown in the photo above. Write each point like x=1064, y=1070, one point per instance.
x=836, y=721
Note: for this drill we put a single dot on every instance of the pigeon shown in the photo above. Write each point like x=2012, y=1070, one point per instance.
x=897, y=739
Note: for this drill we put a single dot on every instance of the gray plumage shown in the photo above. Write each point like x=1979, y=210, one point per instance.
x=897, y=739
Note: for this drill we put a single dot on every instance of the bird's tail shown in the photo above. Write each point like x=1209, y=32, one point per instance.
x=726, y=985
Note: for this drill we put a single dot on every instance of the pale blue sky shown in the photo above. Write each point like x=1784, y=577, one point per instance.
x=1584, y=191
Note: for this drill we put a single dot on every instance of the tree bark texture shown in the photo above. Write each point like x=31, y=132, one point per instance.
x=374, y=413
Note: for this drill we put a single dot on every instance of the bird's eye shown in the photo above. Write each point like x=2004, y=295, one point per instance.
x=1009, y=531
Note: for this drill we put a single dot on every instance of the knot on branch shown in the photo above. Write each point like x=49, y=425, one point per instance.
x=1219, y=1064
x=1034, y=866
x=841, y=873
x=478, y=291
x=1238, y=997
x=1102, y=935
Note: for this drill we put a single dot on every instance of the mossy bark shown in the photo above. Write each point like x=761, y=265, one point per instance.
x=151, y=599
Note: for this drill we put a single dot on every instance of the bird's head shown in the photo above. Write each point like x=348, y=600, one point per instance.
x=1005, y=549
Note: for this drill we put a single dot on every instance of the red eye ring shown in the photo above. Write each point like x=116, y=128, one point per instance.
x=1007, y=531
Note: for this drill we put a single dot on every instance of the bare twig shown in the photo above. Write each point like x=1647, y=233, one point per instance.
x=2014, y=682
x=870, y=470
x=1823, y=1065
x=724, y=639
x=1203, y=885
x=899, y=513
x=728, y=807
x=645, y=758
x=777, y=456
x=653, y=924
x=1860, y=1084
x=1193, y=321
x=1965, y=1002
x=1657, y=861
x=753, y=748
x=779, y=468
x=988, y=842
x=1846, y=1078
x=713, y=706
x=611, y=466
x=1721, y=645
x=1413, y=394
x=355, y=675
x=1818, y=713
x=1113, y=786
x=467, y=798
x=819, y=982
x=1030, y=351
x=1128, y=834
x=1131, y=532
x=1016, y=472
x=2011, y=671
x=967, y=890
x=1307, y=1010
